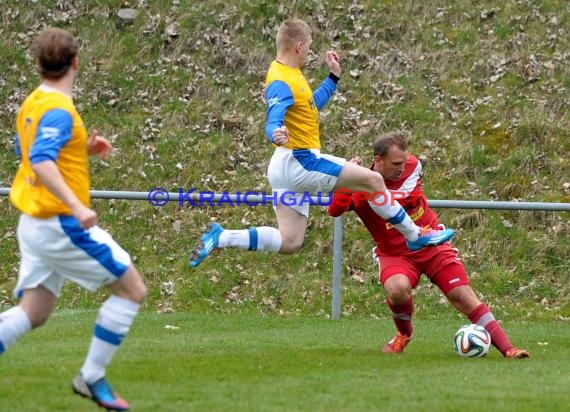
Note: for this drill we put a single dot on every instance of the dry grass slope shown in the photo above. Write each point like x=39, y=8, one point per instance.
x=483, y=89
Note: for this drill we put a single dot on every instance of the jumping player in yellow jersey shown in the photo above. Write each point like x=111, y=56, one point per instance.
x=58, y=234
x=298, y=168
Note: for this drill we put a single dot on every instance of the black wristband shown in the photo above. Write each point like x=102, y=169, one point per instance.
x=334, y=77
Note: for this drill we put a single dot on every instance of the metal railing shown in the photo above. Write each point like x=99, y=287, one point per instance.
x=449, y=204
x=338, y=225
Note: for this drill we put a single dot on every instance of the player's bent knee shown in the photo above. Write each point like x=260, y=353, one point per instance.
x=290, y=250
x=38, y=319
x=398, y=293
x=138, y=291
x=139, y=295
x=130, y=286
x=463, y=303
x=375, y=182
x=398, y=297
x=136, y=295
x=291, y=246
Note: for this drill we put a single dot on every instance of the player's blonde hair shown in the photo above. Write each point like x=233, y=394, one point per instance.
x=291, y=32
x=54, y=50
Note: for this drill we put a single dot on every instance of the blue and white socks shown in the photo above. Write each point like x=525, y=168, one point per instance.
x=397, y=216
x=262, y=238
x=14, y=323
x=113, y=323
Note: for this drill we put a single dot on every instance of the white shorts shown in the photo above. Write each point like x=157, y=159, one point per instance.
x=57, y=248
x=296, y=174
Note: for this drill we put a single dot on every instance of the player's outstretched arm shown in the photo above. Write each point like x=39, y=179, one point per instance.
x=341, y=202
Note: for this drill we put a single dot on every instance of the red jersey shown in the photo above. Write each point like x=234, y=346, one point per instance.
x=408, y=192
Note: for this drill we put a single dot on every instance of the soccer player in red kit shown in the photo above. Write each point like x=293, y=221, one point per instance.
x=400, y=267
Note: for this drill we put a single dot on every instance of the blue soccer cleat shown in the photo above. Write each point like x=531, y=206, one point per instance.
x=430, y=237
x=208, y=242
x=100, y=392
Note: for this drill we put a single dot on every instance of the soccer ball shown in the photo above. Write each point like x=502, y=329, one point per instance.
x=472, y=341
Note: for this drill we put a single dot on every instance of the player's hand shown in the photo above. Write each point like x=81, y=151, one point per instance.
x=332, y=60
x=86, y=217
x=280, y=136
x=98, y=145
x=356, y=160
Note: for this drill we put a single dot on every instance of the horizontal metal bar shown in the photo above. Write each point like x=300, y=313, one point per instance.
x=253, y=198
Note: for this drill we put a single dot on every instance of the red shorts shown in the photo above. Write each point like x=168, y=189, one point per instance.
x=441, y=264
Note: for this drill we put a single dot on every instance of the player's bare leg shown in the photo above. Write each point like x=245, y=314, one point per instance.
x=293, y=227
x=361, y=180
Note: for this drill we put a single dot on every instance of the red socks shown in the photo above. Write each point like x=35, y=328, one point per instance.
x=482, y=315
x=402, y=316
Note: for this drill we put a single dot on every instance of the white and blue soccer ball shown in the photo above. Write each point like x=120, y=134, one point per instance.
x=472, y=341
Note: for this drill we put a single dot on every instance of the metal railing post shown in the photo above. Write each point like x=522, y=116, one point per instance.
x=337, y=267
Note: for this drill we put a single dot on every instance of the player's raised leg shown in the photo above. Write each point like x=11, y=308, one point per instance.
x=263, y=238
x=287, y=238
x=360, y=179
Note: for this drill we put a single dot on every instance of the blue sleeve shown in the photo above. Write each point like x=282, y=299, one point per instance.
x=324, y=92
x=279, y=98
x=54, y=131
x=17, y=145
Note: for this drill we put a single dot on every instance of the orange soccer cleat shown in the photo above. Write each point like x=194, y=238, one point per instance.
x=397, y=343
x=516, y=353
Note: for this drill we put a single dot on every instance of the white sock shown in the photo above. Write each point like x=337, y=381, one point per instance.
x=262, y=238
x=113, y=323
x=234, y=238
x=14, y=323
x=269, y=239
x=397, y=216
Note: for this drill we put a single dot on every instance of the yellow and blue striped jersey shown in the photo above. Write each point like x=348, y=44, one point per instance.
x=49, y=128
x=291, y=102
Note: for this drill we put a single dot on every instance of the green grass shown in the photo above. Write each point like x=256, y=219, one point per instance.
x=483, y=91
x=251, y=362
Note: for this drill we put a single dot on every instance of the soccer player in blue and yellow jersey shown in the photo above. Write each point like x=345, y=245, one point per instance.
x=58, y=234
x=298, y=167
